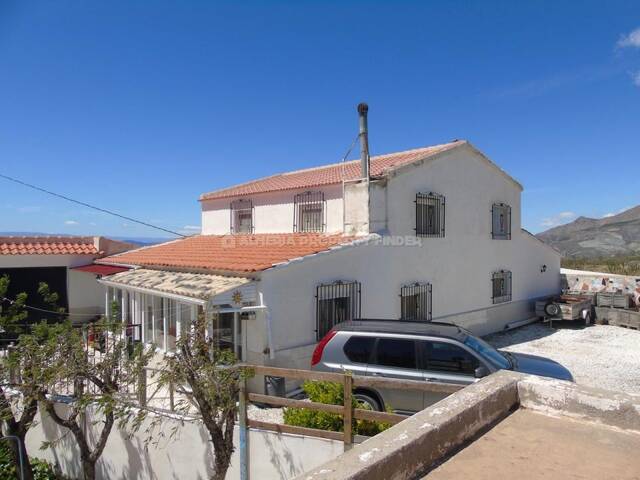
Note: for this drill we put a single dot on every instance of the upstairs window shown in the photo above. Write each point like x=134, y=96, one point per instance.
x=336, y=303
x=242, y=216
x=415, y=302
x=501, y=286
x=501, y=221
x=429, y=215
x=308, y=210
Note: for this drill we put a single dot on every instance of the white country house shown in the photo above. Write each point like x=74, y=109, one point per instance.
x=426, y=234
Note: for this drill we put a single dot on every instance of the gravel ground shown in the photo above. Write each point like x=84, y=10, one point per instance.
x=598, y=356
x=271, y=415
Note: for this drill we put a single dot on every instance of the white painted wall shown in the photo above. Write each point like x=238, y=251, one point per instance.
x=273, y=456
x=86, y=295
x=273, y=211
x=22, y=261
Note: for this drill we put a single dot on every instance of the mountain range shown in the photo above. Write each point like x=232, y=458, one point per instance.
x=617, y=235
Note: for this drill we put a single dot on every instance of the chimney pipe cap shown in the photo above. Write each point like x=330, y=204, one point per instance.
x=363, y=108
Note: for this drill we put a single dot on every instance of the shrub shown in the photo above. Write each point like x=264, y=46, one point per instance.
x=42, y=470
x=330, y=393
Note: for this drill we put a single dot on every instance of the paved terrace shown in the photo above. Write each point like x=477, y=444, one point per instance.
x=508, y=425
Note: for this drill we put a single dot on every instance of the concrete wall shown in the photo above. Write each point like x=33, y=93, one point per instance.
x=594, y=282
x=86, y=295
x=23, y=261
x=188, y=456
x=272, y=212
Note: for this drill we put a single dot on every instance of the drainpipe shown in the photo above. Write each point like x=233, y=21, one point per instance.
x=267, y=319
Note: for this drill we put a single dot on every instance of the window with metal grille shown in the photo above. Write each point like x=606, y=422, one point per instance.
x=501, y=286
x=501, y=221
x=430, y=217
x=309, y=212
x=242, y=216
x=415, y=302
x=335, y=303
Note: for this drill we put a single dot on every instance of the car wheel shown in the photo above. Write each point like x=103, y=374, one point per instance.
x=368, y=401
x=552, y=309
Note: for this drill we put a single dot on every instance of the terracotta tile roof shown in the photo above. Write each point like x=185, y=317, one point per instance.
x=229, y=253
x=329, y=174
x=47, y=246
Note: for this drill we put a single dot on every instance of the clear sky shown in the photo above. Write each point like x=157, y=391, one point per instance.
x=140, y=106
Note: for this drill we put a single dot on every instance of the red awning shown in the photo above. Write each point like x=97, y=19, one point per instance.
x=101, y=269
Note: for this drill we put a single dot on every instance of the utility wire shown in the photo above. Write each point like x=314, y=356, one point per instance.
x=11, y=302
x=346, y=155
x=20, y=182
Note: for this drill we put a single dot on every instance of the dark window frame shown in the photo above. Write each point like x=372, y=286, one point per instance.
x=306, y=202
x=501, y=286
x=237, y=207
x=505, y=232
x=423, y=305
x=326, y=304
x=430, y=215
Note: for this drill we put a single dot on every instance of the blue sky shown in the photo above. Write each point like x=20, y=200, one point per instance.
x=141, y=106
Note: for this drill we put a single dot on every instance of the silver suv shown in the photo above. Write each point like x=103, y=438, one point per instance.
x=430, y=352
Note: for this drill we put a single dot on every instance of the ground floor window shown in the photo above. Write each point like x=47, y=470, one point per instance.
x=335, y=303
x=415, y=302
x=501, y=286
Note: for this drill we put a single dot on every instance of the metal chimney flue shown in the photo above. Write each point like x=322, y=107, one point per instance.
x=363, y=108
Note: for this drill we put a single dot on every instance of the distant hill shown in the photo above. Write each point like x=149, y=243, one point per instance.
x=618, y=235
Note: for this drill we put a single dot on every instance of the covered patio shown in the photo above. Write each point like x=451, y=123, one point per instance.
x=164, y=304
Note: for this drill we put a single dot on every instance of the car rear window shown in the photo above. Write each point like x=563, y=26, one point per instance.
x=396, y=352
x=445, y=357
x=358, y=349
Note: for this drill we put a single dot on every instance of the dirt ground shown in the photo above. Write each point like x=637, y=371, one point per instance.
x=528, y=446
x=601, y=356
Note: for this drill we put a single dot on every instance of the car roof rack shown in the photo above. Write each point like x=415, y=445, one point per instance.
x=418, y=327
x=421, y=322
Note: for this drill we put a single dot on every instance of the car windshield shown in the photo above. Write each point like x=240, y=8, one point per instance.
x=487, y=351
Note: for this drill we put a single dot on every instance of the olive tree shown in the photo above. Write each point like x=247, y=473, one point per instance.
x=18, y=379
x=206, y=379
x=100, y=379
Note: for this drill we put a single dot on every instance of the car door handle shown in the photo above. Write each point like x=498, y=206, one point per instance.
x=431, y=379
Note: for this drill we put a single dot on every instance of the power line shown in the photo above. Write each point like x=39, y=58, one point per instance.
x=103, y=210
x=11, y=302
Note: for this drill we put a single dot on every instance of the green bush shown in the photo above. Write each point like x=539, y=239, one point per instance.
x=8, y=471
x=621, y=265
x=332, y=394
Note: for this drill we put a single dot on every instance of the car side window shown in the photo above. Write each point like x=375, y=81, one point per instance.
x=449, y=358
x=396, y=352
x=358, y=349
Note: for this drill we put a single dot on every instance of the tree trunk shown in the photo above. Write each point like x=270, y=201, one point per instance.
x=88, y=469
